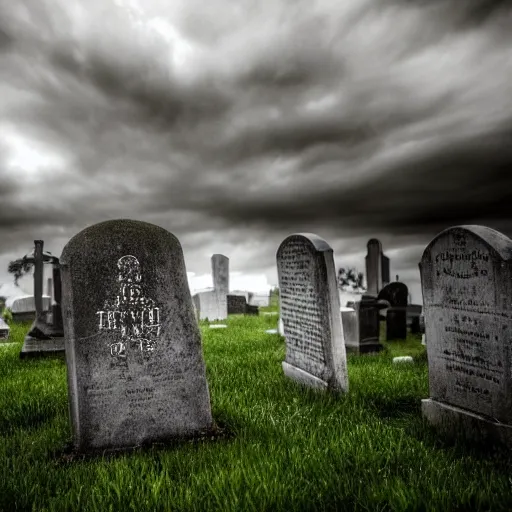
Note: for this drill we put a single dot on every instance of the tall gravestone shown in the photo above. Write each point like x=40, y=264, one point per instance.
x=466, y=278
x=310, y=311
x=136, y=372
x=220, y=273
x=377, y=267
x=213, y=304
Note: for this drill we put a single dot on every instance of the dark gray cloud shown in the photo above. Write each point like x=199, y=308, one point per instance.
x=235, y=125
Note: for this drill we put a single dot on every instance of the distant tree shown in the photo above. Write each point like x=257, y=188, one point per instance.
x=350, y=279
x=24, y=265
x=19, y=268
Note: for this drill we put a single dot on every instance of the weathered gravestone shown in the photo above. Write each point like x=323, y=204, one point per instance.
x=133, y=347
x=466, y=277
x=220, y=273
x=310, y=311
x=211, y=305
x=377, y=267
x=350, y=324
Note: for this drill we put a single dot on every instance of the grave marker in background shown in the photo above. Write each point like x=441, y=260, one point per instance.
x=4, y=330
x=213, y=304
x=46, y=335
x=466, y=278
x=136, y=372
x=220, y=273
x=377, y=267
x=310, y=311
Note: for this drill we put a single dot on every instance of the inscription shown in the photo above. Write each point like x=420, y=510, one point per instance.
x=302, y=308
x=458, y=258
x=134, y=316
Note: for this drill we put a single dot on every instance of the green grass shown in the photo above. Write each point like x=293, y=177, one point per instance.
x=288, y=448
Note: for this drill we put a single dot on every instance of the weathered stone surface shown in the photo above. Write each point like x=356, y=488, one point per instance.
x=220, y=273
x=377, y=267
x=310, y=311
x=211, y=305
x=136, y=372
x=396, y=323
x=467, y=285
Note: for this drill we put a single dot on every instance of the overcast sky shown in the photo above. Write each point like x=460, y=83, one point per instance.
x=235, y=124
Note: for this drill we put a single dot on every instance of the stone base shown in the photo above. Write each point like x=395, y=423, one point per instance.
x=34, y=347
x=303, y=377
x=364, y=348
x=452, y=421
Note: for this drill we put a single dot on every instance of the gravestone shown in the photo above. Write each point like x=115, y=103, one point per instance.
x=395, y=293
x=135, y=366
x=466, y=277
x=413, y=317
x=259, y=299
x=396, y=323
x=237, y=305
x=4, y=330
x=220, y=273
x=240, y=293
x=211, y=305
x=377, y=267
x=252, y=310
x=368, y=324
x=350, y=324
x=310, y=311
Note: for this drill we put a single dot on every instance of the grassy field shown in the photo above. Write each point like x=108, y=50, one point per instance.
x=285, y=448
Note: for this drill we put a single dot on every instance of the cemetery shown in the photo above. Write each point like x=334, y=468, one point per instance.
x=157, y=399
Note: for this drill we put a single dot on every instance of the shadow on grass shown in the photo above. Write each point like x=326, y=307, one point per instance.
x=388, y=408
x=68, y=454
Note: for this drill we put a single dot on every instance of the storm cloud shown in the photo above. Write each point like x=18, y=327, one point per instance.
x=235, y=124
